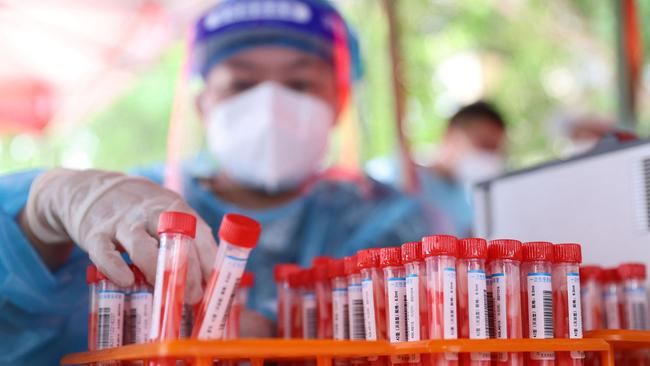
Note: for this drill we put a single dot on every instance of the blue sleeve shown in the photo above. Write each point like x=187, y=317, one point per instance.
x=40, y=316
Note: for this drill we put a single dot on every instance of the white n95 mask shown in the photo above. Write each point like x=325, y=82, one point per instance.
x=270, y=137
x=476, y=166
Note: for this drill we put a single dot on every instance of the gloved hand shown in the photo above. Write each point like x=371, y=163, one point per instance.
x=99, y=210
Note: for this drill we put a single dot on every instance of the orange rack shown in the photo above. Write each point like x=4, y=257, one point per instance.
x=324, y=351
x=622, y=339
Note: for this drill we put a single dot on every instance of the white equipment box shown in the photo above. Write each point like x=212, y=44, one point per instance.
x=600, y=199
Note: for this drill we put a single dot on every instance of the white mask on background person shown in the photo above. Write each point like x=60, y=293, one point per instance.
x=476, y=166
x=270, y=137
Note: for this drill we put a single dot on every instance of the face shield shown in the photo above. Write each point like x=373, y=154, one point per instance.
x=252, y=134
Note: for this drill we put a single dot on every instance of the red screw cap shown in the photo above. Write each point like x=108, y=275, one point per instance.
x=137, y=275
x=247, y=280
x=368, y=258
x=541, y=251
x=100, y=276
x=91, y=274
x=588, y=273
x=504, y=249
x=411, y=252
x=295, y=279
x=567, y=253
x=336, y=268
x=240, y=230
x=282, y=271
x=390, y=257
x=610, y=275
x=434, y=245
x=472, y=248
x=350, y=265
x=321, y=266
x=632, y=271
x=177, y=223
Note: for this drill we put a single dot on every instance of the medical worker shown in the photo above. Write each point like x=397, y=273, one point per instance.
x=472, y=149
x=272, y=93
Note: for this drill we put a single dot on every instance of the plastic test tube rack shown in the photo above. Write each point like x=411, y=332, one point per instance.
x=323, y=351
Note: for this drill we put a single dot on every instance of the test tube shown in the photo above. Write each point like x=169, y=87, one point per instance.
x=635, y=300
x=137, y=309
x=91, y=280
x=390, y=260
x=592, y=304
x=176, y=231
x=323, y=290
x=416, y=296
x=238, y=235
x=591, y=297
x=295, y=299
x=566, y=298
x=308, y=306
x=374, y=302
x=340, y=320
x=612, y=299
x=504, y=266
x=537, y=297
x=635, y=306
x=355, y=298
x=440, y=252
x=239, y=303
x=472, y=297
x=110, y=315
x=281, y=274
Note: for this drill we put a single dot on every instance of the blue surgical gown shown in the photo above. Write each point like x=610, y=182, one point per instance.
x=43, y=314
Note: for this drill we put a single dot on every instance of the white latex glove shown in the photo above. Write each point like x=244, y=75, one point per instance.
x=98, y=210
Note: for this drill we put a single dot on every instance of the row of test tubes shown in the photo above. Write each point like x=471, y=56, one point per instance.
x=439, y=288
x=142, y=313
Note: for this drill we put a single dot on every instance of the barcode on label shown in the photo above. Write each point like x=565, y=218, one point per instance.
x=130, y=324
x=548, y=314
x=540, y=311
x=103, y=328
x=357, y=326
x=309, y=312
x=490, y=314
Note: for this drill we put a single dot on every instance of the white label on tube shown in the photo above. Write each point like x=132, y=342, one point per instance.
x=610, y=308
x=450, y=330
x=138, y=316
x=575, y=311
x=477, y=310
x=355, y=307
x=413, y=307
x=636, y=308
x=540, y=310
x=396, y=295
x=500, y=304
x=110, y=310
x=309, y=316
x=218, y=306
x=368, y=310
x=340, y=322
